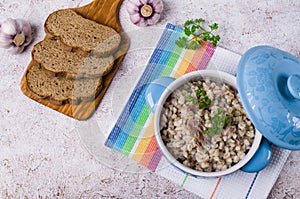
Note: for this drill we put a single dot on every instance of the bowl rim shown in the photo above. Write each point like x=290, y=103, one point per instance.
x=224, y=77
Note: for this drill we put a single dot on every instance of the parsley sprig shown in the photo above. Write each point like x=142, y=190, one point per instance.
x=191, y=99
x=219, y=121
x=194, y=28
x=202, y=99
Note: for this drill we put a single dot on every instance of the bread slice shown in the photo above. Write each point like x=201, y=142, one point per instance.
x=57, y=60
x=78, y=32
x=60, y=90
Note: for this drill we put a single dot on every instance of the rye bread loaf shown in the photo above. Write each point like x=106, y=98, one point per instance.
x=57, y=60
x=60, y=90
x=78, y=32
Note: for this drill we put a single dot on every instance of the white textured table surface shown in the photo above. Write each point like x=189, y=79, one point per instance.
x=45, y=154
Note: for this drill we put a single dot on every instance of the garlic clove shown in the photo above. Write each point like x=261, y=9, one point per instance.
x=16, y=50
x=136, y=2
x=154, y=19
x=132, y=8
x=137, y=20
x=158, y=6
x=24, y=26
x=5, y=40
x=27, y=41
x=9, y=27
x=144, y=2
x=142, y=23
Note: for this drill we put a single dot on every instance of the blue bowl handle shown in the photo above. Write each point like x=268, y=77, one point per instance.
x=156, y=89
x=260, y=159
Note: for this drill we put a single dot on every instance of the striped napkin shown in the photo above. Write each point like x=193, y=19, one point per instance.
x=133, y=132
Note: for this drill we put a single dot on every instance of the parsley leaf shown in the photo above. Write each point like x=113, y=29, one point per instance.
x=204, y=102
x=191, y=99
x=182, y=42
x=200, y=93
x=219, y=122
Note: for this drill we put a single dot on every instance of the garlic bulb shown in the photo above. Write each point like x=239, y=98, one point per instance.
x=15, y=34
x=144, y=12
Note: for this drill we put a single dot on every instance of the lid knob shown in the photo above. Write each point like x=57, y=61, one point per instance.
x=293, y=84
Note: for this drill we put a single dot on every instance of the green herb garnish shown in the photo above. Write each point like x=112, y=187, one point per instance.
x=202, y=99
x=199, y=33
x=182, y=42
x=204, y=102
x=219, y=122
x=227, y=120
x=191, y=99
x=200, y=93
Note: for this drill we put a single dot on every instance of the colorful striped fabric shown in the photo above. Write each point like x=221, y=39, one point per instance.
x=133, y=133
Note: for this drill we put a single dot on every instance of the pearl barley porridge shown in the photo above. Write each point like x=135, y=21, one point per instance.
x=204, y=126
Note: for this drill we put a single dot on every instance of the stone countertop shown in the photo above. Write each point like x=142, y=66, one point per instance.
x=45, y=154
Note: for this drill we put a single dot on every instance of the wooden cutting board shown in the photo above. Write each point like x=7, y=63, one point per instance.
x=104, y=12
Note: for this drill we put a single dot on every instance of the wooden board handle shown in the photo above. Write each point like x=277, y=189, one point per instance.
x=103, y=11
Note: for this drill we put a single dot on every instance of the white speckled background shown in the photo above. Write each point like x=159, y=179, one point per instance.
x=45, y=154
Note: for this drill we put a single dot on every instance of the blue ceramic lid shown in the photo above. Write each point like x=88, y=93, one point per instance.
x=268, y=81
